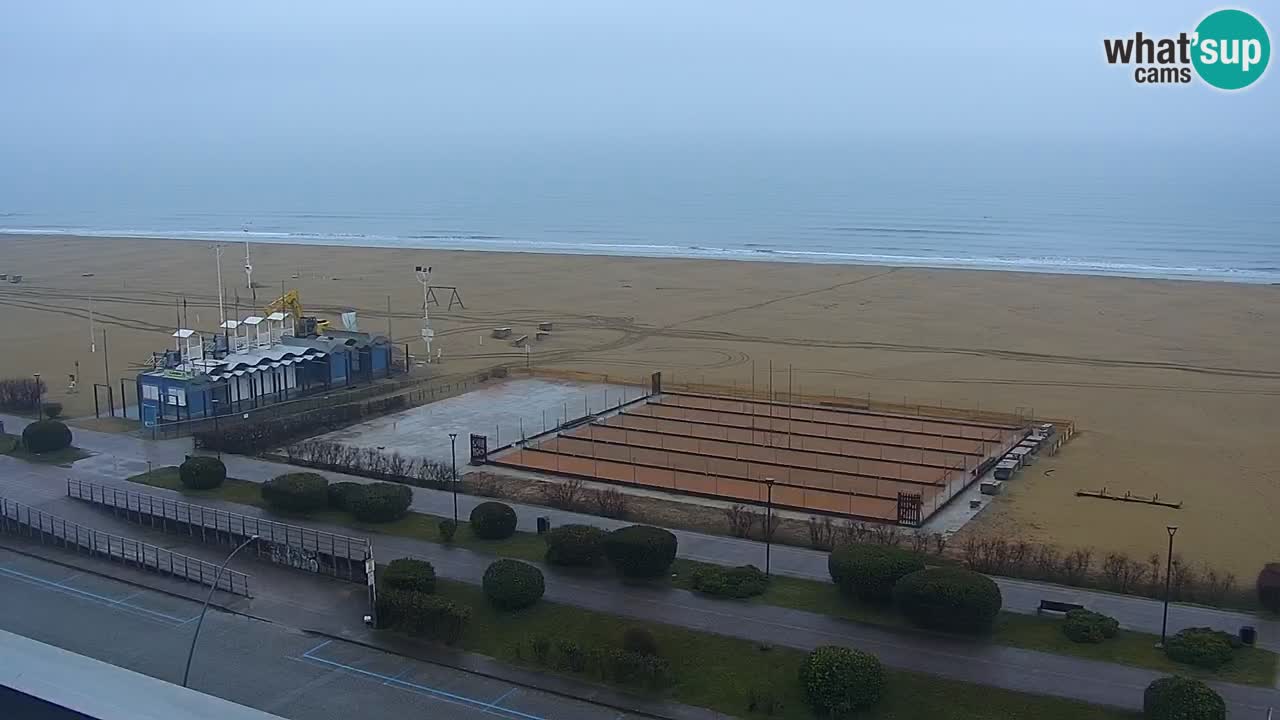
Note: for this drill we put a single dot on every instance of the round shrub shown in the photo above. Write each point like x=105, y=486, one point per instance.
x=340, y=494
x=448, y=528
x=575, y=545
x=1179, y=698
x=202, y=473
x=511, y=584
x=838, y=681
x=1086, y=626
x=869, y=572
x=948, y=598
x=53, y=410
x=296, y=492
x=641, y=551
x=45, y=436
x=409, y=575
x=1202, y=647
x=380, y=502
x=493, y=521
x=737, y=582
x=639, y=641
x=1269, y=587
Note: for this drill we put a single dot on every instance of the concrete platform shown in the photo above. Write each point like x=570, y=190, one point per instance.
x=502, y=411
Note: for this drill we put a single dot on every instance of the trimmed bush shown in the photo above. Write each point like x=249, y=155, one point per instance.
x=628, y=668
x=202, y=473
x=641, y=551
x=423, y=615
x=296, y=492
x=1180, y=698
x=511, y=584
x=869, y=572
x=948, y=598
x=493, y=521
x=409, y=575
x=1269, y=587
x=1202, y=647
x=448, y=528
x=53, y=410
x=640, y=641
x=340, y=494
x=44, y=436
x=380, y=502
x=1087, y=626
x=574, y=545
x=838, y=681
x=739, y=582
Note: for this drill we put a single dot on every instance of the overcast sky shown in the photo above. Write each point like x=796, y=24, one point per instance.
x=94, y=74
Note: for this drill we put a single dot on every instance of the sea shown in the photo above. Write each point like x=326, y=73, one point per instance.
x=1160, y=210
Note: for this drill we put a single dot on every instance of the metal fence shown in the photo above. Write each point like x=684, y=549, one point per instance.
x=26, y=521
x=298, y=547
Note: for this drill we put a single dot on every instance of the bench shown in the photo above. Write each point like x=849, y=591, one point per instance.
x=1057, y=606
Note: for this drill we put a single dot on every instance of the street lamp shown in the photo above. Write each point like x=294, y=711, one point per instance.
x=1168, y=573
x=453, y=451
x=190, y=653
x=768, y=525
x=39, y=406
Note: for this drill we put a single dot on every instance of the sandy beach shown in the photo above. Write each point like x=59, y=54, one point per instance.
x=1174, y=385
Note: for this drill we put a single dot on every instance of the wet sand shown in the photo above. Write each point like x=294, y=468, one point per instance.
x=1174, y=385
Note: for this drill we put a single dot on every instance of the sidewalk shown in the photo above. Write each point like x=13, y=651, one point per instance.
x=120, y=456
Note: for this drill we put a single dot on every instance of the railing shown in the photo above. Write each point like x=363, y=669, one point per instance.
x=24, y=520
x=297, y=547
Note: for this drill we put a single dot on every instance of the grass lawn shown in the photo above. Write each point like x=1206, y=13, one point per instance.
x=11, y=445
x=717, y=672
x=1250, y=666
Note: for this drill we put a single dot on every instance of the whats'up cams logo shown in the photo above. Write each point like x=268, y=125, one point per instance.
x=1228, y=50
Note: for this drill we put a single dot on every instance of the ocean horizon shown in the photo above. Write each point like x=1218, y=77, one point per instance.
x=1146, y=212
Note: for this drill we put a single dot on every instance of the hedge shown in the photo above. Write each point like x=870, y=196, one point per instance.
x=409, y=575
x=948, y=598
x=1087, y=626
x=493, y=521
x=737, y=582
x=512, y=585
x=340, y=494
x=45, y=436
x=380, y=502
x=641, y=551
x=296, y=492
x=838, y=681
x=574, y=545
x=422, y=615
x=869, y=572
x=1202, y=647
x=202, y=473
x=1269, y=587
x=1180, y=698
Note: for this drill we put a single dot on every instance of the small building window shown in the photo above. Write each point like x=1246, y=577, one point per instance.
x=177, y=396
x=150, y=392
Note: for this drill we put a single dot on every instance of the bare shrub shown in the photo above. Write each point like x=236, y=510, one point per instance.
x=768, y=525
x=740, y=520
x=483, y=484
x=611, y=502
x=563, y=495
x=939, y=543
x=822, y=532
x=886, y=535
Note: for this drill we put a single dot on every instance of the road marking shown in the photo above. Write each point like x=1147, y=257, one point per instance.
x=424, y=689
x=85, y=594
x=504, y=696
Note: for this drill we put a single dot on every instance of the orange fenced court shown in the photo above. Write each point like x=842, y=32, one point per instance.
x=876, y=465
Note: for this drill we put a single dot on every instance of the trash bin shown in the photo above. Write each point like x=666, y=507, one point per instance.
x=544, y=524
x=1248, y=634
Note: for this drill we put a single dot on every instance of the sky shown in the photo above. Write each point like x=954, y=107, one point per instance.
x=158, y=76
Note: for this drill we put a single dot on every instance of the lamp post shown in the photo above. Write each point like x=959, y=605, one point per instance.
x=768, y=525
x=39, y=406
x=191, y=653
x=213, y=403
x=1168, y=573
x=453, y=451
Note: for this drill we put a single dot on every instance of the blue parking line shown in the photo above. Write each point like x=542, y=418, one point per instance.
x=389, y=680
x=60, y=587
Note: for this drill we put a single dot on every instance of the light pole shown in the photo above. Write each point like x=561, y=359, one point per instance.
x=768, y=525
x=453, y=451
x=1168, y=576
x=213, y=403
x=39, y=406
x=190, y=653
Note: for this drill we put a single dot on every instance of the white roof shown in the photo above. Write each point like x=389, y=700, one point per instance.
x=277, y=316
x=183, y=333
x=252, y=320
x=230, y=324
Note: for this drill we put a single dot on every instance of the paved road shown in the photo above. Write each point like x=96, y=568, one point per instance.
x=251, y=662
x=122, y=455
